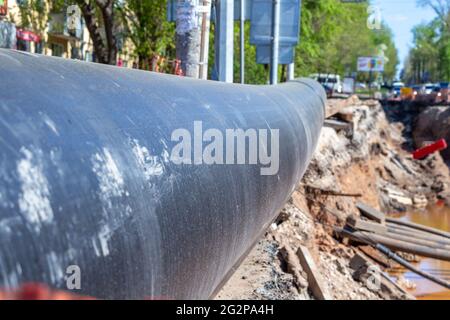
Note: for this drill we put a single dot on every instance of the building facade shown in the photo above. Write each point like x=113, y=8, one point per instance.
x=56, y=33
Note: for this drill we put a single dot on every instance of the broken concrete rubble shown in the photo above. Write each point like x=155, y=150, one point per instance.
x=371, y=161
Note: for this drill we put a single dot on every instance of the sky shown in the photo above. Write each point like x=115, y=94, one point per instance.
x=402, y=16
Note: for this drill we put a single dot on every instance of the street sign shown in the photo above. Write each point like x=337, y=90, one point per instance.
x=264, y=54
x=248, y=9
x=262, y=27
x=371, y=64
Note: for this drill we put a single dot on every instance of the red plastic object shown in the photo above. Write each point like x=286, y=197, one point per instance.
x=37, y=291
x=423, y=152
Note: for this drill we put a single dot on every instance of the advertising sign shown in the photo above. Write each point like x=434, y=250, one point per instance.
x=371, y=64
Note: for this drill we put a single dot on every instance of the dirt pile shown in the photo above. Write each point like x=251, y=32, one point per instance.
x=432, y=124
x=364, y=163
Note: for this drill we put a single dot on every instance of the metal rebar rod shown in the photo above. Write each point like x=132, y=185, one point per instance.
x=391, y=255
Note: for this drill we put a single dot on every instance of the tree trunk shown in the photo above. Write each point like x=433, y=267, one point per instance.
x=104, y=53
x=107, y=10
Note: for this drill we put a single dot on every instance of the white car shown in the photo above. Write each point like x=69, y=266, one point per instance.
x=330, y=81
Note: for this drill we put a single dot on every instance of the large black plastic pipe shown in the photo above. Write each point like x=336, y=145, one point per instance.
x=86, y=177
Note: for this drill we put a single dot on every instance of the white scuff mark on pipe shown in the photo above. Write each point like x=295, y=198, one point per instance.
x=111, y=186
x=96, y=248
x=110, y=179
x=100, y=241
x=103, y=236
x=54, y=267
x=49, y=122
x=34, y=202
x=150, y=165
x=165, y=156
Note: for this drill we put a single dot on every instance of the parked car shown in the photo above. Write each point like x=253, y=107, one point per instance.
x=429, y=88
x=397, y=88
x=330, y=81
x=360, y=85
x=443, y=95
x=426, y=93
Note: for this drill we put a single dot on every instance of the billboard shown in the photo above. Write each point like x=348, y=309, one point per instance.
x=371, y=64
x=3, y=7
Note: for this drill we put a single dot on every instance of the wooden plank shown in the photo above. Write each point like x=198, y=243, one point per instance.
x=315, y=280
x=376, y=256
x=371, y=213
x=336, y=105
x=363, y=225
x=345, y=114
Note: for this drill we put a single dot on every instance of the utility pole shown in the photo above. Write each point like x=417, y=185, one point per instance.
x=188, y=37
x=224, y=39
x=275, y=42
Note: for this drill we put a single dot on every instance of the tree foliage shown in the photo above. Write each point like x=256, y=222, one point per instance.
x=34, y=14
x=332, y=37
x=147, y=27
x=429, y=58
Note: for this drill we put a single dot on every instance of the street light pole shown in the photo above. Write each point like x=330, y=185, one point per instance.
x=224, y=39
x=275, y=42
x=242, y=41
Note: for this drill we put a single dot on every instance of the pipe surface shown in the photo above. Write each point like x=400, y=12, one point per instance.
x=88, y=178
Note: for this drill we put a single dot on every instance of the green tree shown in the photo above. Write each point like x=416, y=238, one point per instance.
x=429, y=59
x=332, y=37
x=146, y=25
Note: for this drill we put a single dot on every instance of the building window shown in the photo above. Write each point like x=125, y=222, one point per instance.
x=57, y=49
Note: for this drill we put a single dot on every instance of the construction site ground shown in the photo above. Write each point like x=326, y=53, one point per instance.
x=367, y=160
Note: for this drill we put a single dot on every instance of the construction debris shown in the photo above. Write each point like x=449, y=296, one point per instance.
x=371, y=213
x=315, y=280
x=369, y=164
